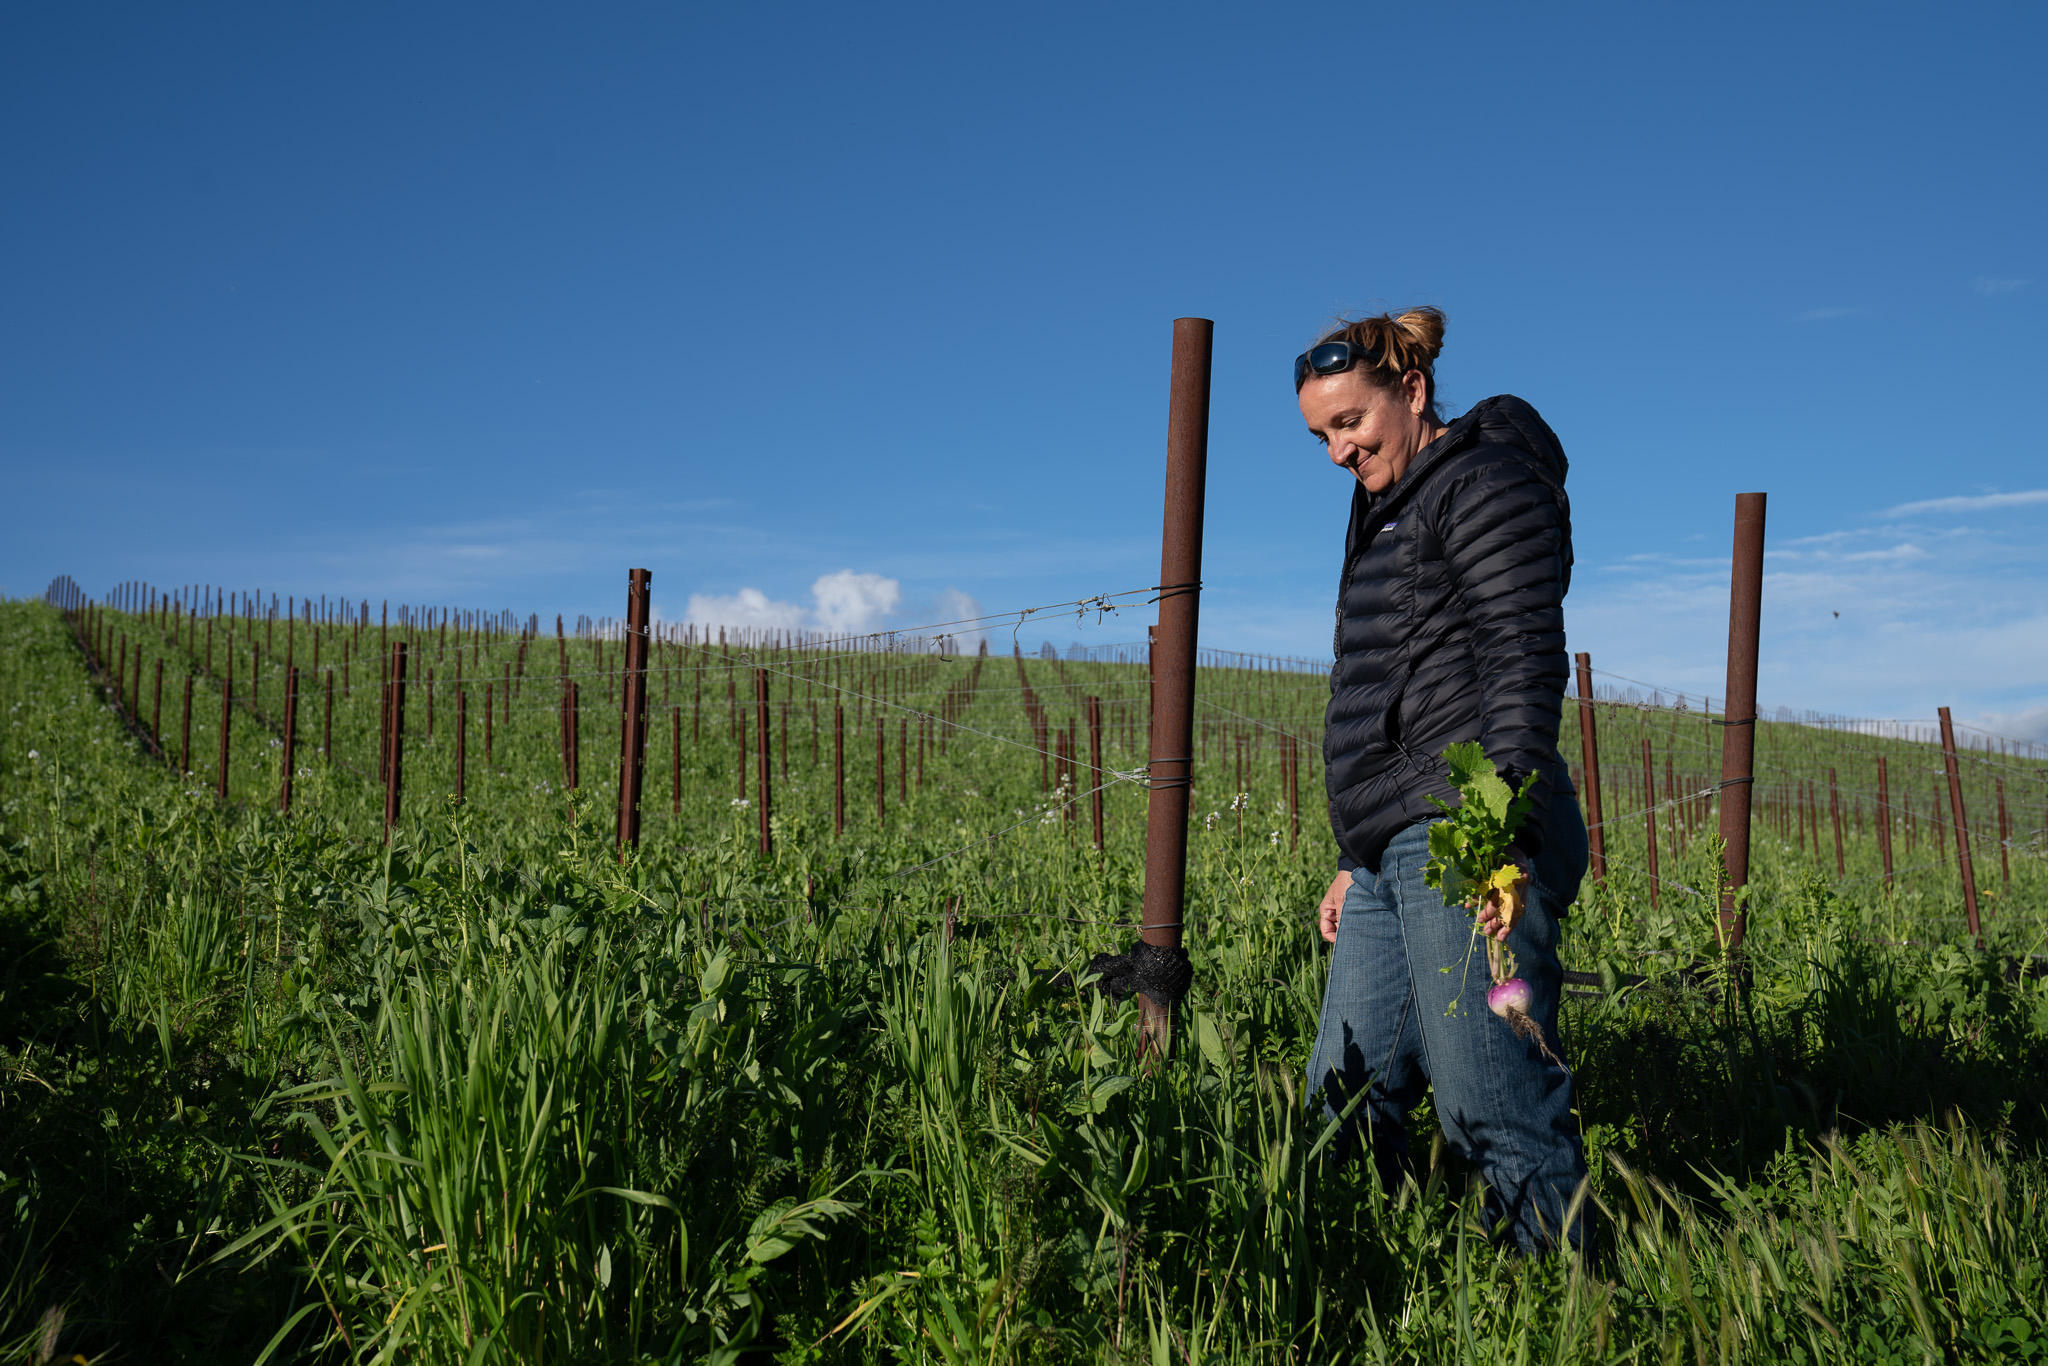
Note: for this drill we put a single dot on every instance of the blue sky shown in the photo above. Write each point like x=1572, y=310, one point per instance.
x=858, y=314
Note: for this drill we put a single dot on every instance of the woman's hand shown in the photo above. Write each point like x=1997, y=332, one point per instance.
x=1332, y=909
x=1500, y=911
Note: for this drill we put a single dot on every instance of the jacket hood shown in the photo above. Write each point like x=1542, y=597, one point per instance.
x=1505, y=420
x=1502, y=422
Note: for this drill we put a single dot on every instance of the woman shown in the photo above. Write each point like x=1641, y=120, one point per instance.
x=1450, y=626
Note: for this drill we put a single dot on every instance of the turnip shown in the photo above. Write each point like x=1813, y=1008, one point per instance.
x=1511, y=1000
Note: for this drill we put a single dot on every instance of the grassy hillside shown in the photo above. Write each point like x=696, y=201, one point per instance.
x=485, y=1092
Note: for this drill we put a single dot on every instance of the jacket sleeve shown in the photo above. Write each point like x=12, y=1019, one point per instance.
x=1505, y=543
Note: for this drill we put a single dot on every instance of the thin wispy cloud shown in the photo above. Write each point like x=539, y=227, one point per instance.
x=2031, y=724
x=1821, y=315
x=1855, y=623
x=1975, y=502
x=1992, y=285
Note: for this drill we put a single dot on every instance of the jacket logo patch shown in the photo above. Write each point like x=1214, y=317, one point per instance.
x=1390, y=525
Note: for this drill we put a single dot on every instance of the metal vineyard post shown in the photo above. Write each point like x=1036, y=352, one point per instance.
x=291, y=739
x=1955, y=803
x=1884, y=820
x=765, y=772
x=1589, y=758
x=227, y=712
x=1738, y=712
x=1170, y=762
x=394, y=782
x=633, y=705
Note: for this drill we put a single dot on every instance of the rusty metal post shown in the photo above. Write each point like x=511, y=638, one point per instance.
x=461, y=739
x=737, y=723
x=675, y=760
x=1170, y=764
x=1095, y=765
x=903, y=761
x=1738, y=709
x=1650, y=818
x=575, y=736
x=1962, y=824
x=227, y=714
x=881, y=769
x=1835, y=818
x=2004, y=838
x=384, y=722
x=1884, y=820
x=764, y=774
x=633, y=710
x=291, y=739
x=185, y=735
x=1589, y=758
x=394, y=782
x=838, y=769
x=156, y=712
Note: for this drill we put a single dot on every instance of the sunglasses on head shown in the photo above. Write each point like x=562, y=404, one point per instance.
x=1331, y=358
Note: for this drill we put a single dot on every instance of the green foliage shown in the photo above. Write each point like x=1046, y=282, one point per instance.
x=486, y=1092
x=1469, y=846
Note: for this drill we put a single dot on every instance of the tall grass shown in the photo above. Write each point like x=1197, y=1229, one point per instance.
x=277, y=1089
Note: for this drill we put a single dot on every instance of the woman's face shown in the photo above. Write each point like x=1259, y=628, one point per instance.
x=1372, y=432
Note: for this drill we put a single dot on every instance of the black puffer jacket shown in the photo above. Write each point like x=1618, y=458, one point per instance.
x=1450, y=626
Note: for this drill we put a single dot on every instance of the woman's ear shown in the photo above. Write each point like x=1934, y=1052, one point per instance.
x=1416, y=389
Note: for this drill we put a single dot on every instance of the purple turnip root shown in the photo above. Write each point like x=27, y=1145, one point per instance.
x=1510, y=998
x=1511, y=1001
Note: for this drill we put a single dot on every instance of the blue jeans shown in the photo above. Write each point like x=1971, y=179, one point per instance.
x=1405, y=1008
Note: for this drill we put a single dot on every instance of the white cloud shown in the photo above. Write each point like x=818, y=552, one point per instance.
x=1981, y=502
x=851, y=603
x=749, y=607
x=1997, y=284
x=2030, y=724
x=844, y=602
x=954, y=605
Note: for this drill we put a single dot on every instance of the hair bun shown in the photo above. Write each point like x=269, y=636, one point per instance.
x=1423, y=330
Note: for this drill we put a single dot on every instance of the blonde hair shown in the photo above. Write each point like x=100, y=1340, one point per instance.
x=1407, y=341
